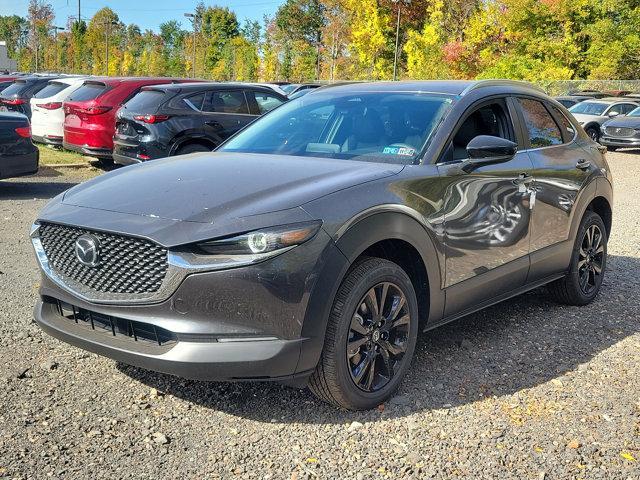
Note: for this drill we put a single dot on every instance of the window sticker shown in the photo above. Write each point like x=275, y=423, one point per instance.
x=404, y=151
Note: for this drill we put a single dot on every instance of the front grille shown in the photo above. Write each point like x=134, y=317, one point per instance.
x=127, y=265
x=150, y=338
x=619, y=131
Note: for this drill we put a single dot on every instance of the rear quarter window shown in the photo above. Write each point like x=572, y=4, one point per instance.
x=88, y=91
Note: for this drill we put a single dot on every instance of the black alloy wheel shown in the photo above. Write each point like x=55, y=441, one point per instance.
x=370, y=339
x=591, y=259
x=378, y=336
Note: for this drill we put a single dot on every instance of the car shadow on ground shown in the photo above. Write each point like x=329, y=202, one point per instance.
x=515, y=345
x=24, y=190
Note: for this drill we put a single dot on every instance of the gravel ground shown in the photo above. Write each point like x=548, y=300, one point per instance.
x=526, y=389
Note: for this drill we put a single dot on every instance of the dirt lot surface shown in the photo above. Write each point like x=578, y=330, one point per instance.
x=527, y=389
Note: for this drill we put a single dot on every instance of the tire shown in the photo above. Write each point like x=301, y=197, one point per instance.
x=192, y=148
x=587, y=258
x=593, y=133
x=106, y=162
x=612, y=149
x=338, y=379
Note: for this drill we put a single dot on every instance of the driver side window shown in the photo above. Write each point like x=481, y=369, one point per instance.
x=489, y=119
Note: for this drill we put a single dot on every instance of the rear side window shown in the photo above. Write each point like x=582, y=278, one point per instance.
x=51, y=89
x=542, y=128
x=145, y=101
x=565, y=124
x=195, y=101
x=227, y=102
x=15, y=89
x=88, y=91
x=623, y=108
x=266, y=102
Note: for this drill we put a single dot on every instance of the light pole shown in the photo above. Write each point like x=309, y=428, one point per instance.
x=395, y=56
x=107, y=31
x=55, y=40
x=194, y=19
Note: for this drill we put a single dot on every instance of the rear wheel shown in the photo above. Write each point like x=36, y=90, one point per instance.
x=588, y=262
x=371, y=336
x=192, y=148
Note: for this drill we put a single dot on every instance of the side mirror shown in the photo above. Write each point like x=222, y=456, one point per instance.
x=486, y=149
x=613, y=114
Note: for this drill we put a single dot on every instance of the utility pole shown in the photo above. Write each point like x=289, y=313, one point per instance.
x=55, y=40
x=395, y=56
x=107, y=31
x=194, y=18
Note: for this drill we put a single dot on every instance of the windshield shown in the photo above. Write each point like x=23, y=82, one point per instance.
x=52, y=88
x=88, y=91
x=146, y=101
x=634, y=113
x=289, y=88
x=589, y=108
x=386, y=127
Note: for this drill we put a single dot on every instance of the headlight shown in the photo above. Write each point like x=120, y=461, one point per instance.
x=245, y=249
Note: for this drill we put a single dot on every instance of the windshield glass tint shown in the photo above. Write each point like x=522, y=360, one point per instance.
x=14, y=89
x=373, y=126
x=51, y=89
x=145, y=101
x=589, y=108
x=88, y=91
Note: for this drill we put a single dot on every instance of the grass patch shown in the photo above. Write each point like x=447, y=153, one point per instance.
x=56, y=156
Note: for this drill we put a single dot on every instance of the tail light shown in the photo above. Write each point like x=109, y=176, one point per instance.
x=14, y=101
x=92, y=110
x=151, y=118
x=50, y=105
x=24, y=132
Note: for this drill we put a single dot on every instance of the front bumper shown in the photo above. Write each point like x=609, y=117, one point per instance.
x=237, y=324
x=619, y=142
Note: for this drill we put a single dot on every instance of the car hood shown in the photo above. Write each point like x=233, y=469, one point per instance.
x=584, y=118
x=630, y=122
x=218, y=187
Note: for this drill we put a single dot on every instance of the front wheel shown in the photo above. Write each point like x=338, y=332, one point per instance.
x=588, y=262
x=370, y=339
x=593, y=133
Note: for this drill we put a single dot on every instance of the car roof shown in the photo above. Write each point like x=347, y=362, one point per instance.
x=113, y=81
x=448, y=87
x=612, y=100
x=195, y=86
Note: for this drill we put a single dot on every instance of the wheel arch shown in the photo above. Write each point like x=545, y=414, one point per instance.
x=388, y=234
x=184, y=140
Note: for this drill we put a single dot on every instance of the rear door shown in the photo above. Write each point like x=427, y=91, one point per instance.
x=225, y=112
x=561, y=168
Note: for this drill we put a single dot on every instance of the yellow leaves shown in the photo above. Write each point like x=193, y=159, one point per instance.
x=311, y=460
x=520, y=413
x=627, y=456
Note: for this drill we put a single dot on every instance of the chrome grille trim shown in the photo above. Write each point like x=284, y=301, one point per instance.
x=620, y=131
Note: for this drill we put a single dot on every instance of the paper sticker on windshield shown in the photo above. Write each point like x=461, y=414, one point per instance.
x=404, y=151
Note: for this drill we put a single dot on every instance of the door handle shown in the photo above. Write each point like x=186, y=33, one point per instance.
x=583, y=164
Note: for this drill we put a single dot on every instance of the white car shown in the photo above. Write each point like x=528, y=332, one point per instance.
x=47, y=117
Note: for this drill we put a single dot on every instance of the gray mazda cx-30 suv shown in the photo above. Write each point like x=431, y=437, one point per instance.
x=314, y=245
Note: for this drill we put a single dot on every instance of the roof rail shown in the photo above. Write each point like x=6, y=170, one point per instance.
x=500, y=82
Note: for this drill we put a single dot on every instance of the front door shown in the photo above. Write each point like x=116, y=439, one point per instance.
x=486, y=213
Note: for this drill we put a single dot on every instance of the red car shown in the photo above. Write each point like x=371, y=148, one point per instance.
x=90, y=111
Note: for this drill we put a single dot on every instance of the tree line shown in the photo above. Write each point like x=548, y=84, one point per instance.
x=306, y=40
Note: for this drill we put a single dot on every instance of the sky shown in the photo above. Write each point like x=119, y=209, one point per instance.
x=147, y=14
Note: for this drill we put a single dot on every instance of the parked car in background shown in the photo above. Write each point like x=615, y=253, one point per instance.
x=317, y=243
x=6, y=80
x=89, y=122
x=620, y=132
x=18, y=155
x=591, y=114
x=589, y=93
x=15, y=98
x=293, y=88
x=47, y=114
x=276, y=87
x=569, y=101
x=167, y=120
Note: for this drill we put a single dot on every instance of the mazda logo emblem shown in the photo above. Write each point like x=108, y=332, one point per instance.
x=88, y=250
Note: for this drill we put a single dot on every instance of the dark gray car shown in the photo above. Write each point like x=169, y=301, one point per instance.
x=621, y=132
x=314, y=245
